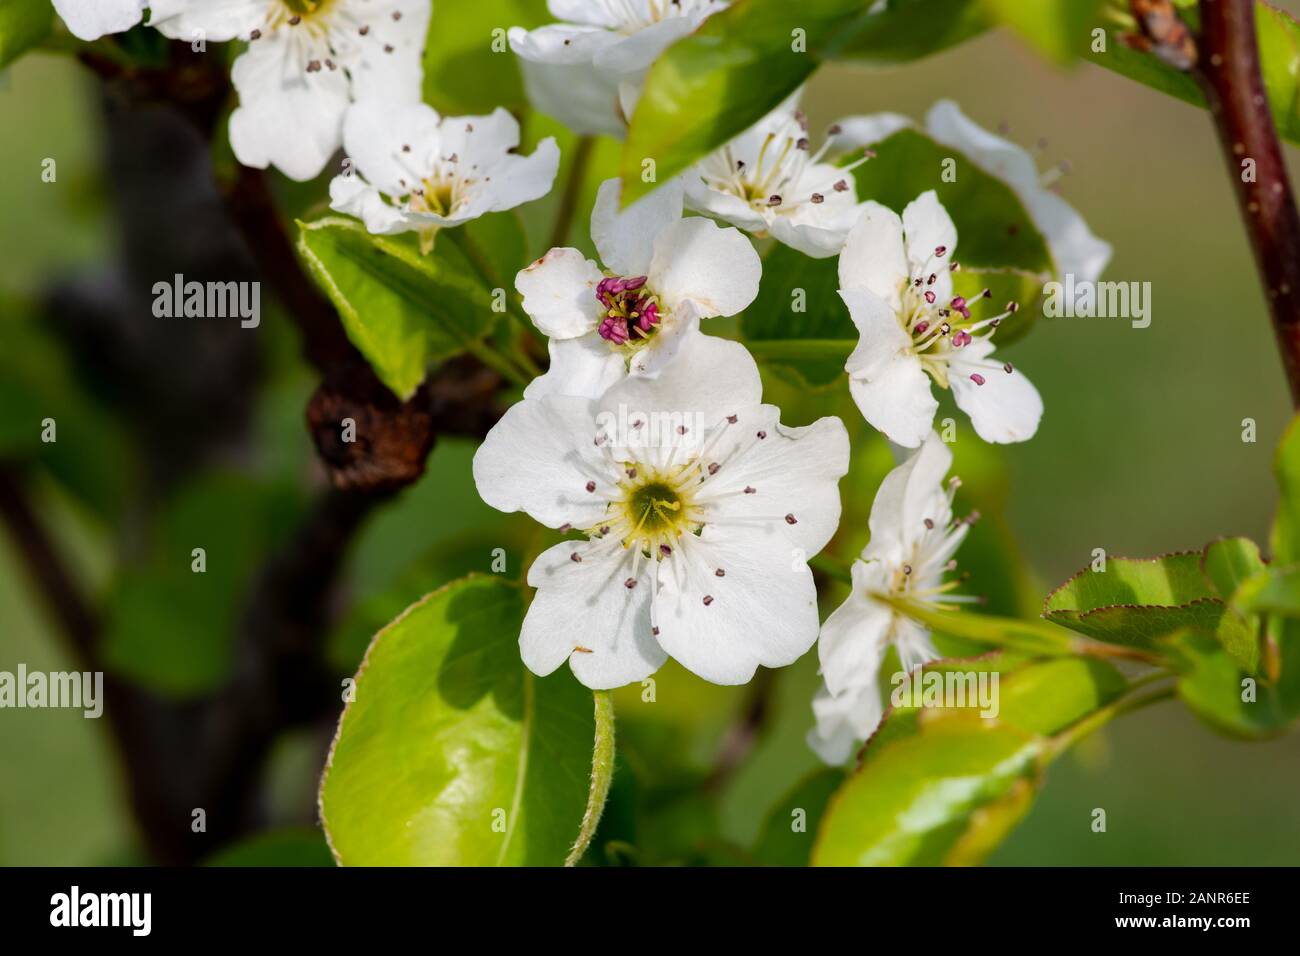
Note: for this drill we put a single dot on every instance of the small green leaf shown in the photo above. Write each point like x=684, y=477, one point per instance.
x=1271, y=591
x=290, y=848
x=1134, y=601
x=1227, y=698
x=1230, y=562
x=23, y=24
x=1057, y=28
x=907, y=30
x=914, y=800
x=734, y=70
x=945, y=785
x=452, y=753
x=404, y=310
x=468, y=69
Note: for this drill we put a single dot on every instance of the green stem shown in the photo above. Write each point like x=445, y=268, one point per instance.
x=1099, y=718
x=582, y=150
x=472, y=251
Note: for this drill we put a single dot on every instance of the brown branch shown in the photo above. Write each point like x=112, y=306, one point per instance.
x=1228, y=70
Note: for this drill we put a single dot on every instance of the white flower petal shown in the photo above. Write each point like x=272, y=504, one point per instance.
x=716, y=270
x=855, y=132
x=562, y=81
x=793, y=473
x=387, y=141
x=540, y=458
x=886, y=379
x=596, y=13
x=712, y=378
x=388, y=65
x=1006, y=408
x=855, y=635
x=1073, y=246
x=910, y=493
x=625, y=238
x=928, y=227
x=714, y=202
x=559, y=293
x=355, y=197
x=843, y=722
x=874, y=256
x=663, y=347
x=584, y=366
x=633, y=54
x=763, y=610
x=287, y=118
x=92, y=19
x=584, y=612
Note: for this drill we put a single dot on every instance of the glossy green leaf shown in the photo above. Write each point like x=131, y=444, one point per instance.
x=404, y=310
x=945, y=786
x=905, y=30
x=1230, y=562
x=910, y=803
x=468, y=66
x=1134, y=601
x=1056, y=28
x=1271, y=591
x=1218, y=690
x=452, y=753
x=23, y=24
x=716, y=83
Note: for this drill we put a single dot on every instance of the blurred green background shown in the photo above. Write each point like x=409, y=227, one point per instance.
x=1140, y=452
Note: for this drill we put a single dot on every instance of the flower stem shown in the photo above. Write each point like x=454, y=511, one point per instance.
x=582, y=149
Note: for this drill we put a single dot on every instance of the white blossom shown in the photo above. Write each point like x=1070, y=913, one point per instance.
x=913, y=539
x=587, y=70
x=895, y=278
x=418, y=172
x=698, y=511
x=664, y=274
x=92, y=19
x=306, y=62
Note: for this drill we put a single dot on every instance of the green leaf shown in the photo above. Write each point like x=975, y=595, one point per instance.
x=404, y=310
x=711, y=86
x=463, y=74
x=452, y=753
x=945, y=786
x=1057, y=28
x=1271, y=591
x=1230, y=562
x=916, y=799
x=1215, y=687
x=907, y=30
x=1277, y=34
x=23, y=24
x=172, y=628
x=1134, y=601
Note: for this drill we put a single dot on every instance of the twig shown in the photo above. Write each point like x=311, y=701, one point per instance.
x=1228, y=70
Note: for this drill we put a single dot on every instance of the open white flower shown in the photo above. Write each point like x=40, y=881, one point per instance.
x=418, y=172
x=1072, y=244
x=769, y=181
x=306, y=62
x=895, y=277
x=587, y=71
x=665, y=274
x=92, y=19
x=700, y=510
x=913, y=540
